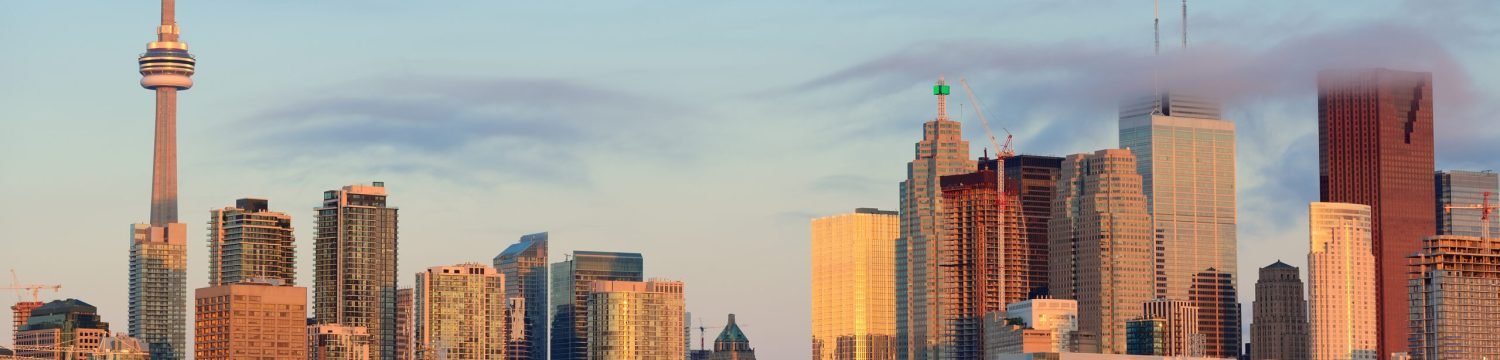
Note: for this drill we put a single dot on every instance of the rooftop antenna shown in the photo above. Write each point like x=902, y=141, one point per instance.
x=1184, y=25
x=1156, y=50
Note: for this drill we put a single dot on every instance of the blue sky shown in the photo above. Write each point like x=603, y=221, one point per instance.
x=702, y=134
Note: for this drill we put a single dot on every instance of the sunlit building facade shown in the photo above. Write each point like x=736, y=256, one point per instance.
x=71, y=325
x=405, y=329
x=572, y=281
x=973, y=278
x=632, y=320
x=338, y=342
x=1213, y=293
x=1341, y=282
x=250, y=320
x=1058, y=317
x=354, y=282
x=853, y=300
x=248, y=241
x=1101, y=243
x=1173, y=329
x=1030, y=182
x=460, y=312
x=1279, y=328
x=942, y=151
x=1454, y=291
x=158, y=288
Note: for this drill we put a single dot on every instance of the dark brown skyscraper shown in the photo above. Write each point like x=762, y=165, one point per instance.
x=1375, y=146
x=1029, y=183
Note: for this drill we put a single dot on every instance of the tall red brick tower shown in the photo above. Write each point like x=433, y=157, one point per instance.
x=1375, y=148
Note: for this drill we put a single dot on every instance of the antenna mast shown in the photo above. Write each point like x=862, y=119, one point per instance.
x=1184, y=24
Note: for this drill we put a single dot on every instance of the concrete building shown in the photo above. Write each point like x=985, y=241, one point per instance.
x=405, y=329
x=1455, y=290
x=19, y=313
x=629, y=320
x=942, y=151
x=1279, y=327
x=71, y=326
x=1166, y=327
x=853, y=301
x=1185, y=156
x=1100, y=234
x=460, y=312
x=1341, y=282
x=1459, y=187
x=1030, y=182
x=1213, y=293
x=355, y=264
x=250, y=320
x=572, y=282
x=1376, y=148
x=524, y=265
x=732, y=343
x=973, y=261
x=1058, y=317
x=337, y=342
x=1008, y=336
x=249, y=241
x=158, y=251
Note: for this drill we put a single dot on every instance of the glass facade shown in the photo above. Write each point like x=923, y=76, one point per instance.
x=1461, y=188
x=853, y=299
x=524, y=265
x=355, y=265
x=630, y=320
x=158, y=288
x=460, y=313
x=1454, y=285
x=571, y=283
x=1341, y=282
x=248, y=241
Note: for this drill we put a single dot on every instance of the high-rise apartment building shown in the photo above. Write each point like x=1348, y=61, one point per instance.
x=853, y=300
x=1213, y=293
x=338, y=342
x=460, y=312
x=1376, y=148
x=1166, y=327
x=942, y=151
x=249, y=241
x=1030, y=181
x=355, y=264
x=66, y=324
x=732, y=343
x=1279, y=328
x=1459, y=188
x=1185, y=156
x=405, y=329
x=158, y=250
x=1341, y=282
x=1100, y=237
x=973, y=275
x=572, y=281
x=524, y=265
x=630, y=320
x=1455, y=291
x=250, y=320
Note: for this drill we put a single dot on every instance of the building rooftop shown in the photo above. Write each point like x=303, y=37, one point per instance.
x=1280, y=265
x=731, y=333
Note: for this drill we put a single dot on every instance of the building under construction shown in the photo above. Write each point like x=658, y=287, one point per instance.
x=1453, y=283
x=984, y=257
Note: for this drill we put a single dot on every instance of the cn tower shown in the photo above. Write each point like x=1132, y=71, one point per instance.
x=158, y=250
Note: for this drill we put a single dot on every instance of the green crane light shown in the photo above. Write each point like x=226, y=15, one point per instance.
x=940, y=89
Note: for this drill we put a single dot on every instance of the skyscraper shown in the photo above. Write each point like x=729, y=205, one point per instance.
x=69, y=323
x=942, y=151
x=1341, y=282
x=1218, y=306
x=249, y=241
x=1376, y=148
x=1172, y=326
x=338, y=342
x=1030, y=181
x=460, y=312
x=732, y=343
x=629, y=320
x=572, y=281
x=975, y=264
x=1455, y=287
x=853, y=302
x=1185, y=156
x=355, y=265
x=158, y=251
x=405, y=329
x=1280, y=322
x=251, y=319
x=524, y=265
x=1459, y=187
x=1100, y=235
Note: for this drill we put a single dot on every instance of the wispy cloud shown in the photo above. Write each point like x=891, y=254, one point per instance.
x=471, y=130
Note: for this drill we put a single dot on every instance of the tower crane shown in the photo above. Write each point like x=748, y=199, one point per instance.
x=35, y=289
x=1484, y=207
x=1000, y=151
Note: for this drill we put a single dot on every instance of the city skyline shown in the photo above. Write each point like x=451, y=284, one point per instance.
x=768, y=223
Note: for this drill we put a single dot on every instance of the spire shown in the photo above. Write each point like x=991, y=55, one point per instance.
x=941, y=90
x=1184, y=25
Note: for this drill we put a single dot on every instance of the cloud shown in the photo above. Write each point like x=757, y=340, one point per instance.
x=470, y=130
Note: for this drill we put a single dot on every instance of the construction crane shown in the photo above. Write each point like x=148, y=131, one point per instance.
x=35, y=289
x=1000, y=151
x=703, y=334
x=1484, y=207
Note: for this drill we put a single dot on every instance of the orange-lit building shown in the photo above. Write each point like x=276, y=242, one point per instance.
x=251, y=320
